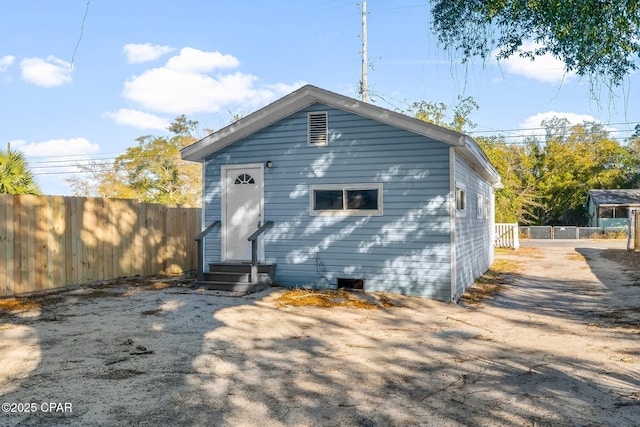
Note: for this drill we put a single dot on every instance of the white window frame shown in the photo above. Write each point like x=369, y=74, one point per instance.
x=344, y=188
x=461, y=187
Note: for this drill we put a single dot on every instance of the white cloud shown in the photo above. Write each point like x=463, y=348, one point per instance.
x=535, y=121
x=139, y=53
x=183, y=85
x=55, y=160
x=6, y=61
x=197, y=61
x=46, y=72
x=545, y=68
x=56, y=147
x=532, y=125
x=138, y=119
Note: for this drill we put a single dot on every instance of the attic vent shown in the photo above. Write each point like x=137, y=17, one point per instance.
x=318, y=129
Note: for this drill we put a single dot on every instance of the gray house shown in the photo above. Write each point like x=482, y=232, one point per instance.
x=342, y=193
x=610, y=208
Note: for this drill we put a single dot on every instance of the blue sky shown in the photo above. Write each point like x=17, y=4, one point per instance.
x=82, y=82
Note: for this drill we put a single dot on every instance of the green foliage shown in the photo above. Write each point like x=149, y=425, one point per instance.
x=577, y=158
x=518, y=200
x=546, y=182
x=435, y=112
x=15, y=176
x=152, y=171
x=634, y=141
x=594, y=38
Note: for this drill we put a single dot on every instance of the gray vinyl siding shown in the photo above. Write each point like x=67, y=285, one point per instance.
x=406, y=250
x=473, y=245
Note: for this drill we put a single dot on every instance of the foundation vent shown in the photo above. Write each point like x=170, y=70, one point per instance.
x=351, y=284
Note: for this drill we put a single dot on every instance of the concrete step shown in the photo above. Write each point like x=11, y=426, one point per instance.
x=232, y=277
x=232, y=286
x=236, y=277
x=228, y=267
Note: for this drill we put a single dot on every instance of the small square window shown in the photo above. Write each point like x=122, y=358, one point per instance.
x=461, y=200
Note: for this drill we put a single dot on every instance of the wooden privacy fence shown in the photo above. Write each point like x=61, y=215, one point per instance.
x=506, y=236
x=49, y=242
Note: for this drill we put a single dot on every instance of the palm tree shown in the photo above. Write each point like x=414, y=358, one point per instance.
x=15, y=176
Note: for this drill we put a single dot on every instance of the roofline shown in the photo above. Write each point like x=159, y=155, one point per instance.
x=617, y=204
x=596, y=200
x=472, y=152
x=308, y=95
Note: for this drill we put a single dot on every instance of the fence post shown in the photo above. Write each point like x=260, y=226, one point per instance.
x=636, y=231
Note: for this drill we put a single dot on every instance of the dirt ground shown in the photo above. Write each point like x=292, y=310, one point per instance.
x=556, y=341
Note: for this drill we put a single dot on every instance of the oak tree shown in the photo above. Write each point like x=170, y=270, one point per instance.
x=152, y=171
x=594, y=38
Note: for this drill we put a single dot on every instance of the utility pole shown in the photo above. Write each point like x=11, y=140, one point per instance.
x=363, y=88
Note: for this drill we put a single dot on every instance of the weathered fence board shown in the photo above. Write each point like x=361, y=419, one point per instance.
x=48, y=242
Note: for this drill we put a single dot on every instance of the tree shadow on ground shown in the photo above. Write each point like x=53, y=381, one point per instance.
x=177, y=356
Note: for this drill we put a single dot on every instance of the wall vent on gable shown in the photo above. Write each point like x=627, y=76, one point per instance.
x=318, y=129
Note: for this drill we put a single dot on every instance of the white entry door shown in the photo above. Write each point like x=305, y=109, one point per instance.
x=242, y=208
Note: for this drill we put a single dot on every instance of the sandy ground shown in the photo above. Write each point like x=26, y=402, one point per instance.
x=559, y=345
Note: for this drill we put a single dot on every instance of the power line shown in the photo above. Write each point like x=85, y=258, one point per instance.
x=76, y=160
x=84, y=19
x=542, y=128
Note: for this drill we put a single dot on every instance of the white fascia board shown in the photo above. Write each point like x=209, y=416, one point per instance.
x=472, y=152
x=389, y=117
x=244, y=127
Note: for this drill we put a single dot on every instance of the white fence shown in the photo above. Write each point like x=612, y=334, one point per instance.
x=506, y=236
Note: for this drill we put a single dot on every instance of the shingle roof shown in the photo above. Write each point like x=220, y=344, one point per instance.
x=615, y=197
x=308, y=95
